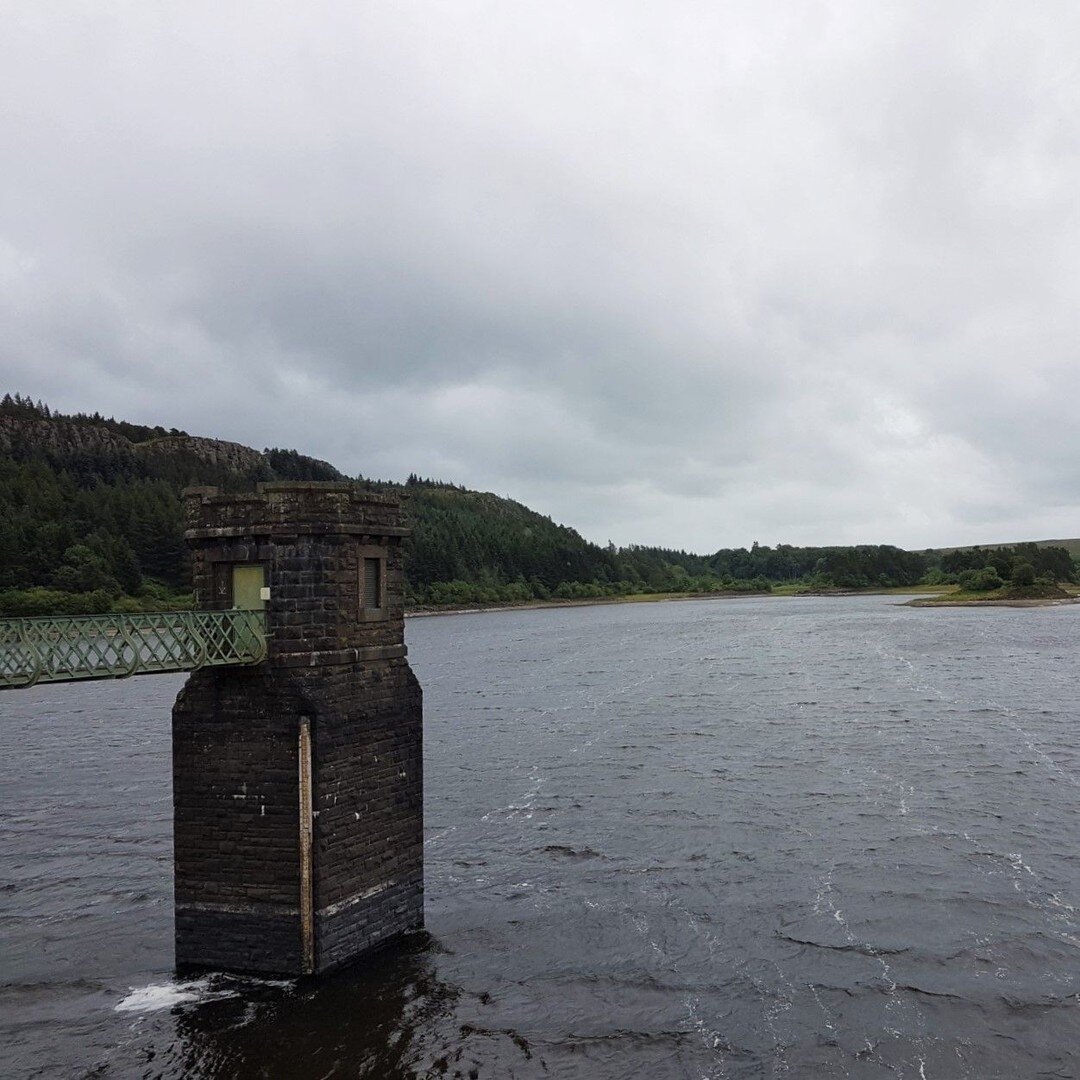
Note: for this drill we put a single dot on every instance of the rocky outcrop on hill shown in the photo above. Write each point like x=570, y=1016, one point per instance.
x=87, y=445
x=22, y=436
x=217, y=455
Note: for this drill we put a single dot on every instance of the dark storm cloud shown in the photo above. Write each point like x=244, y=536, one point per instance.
x=693, y=274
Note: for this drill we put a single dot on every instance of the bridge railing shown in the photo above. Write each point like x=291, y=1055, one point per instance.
x=63, y=649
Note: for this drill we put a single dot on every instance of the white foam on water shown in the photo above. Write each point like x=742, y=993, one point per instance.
x=144, y=999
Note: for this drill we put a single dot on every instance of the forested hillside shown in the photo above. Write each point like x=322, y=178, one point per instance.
x=91, y=520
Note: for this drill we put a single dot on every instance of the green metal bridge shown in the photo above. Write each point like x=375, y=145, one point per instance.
x=65, y=649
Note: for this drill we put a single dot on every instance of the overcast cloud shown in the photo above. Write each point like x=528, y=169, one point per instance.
x=695, y=274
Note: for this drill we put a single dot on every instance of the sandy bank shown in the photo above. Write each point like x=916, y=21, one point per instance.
x=537, y=605
x=1048, y=602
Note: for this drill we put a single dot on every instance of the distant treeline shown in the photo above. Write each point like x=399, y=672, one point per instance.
x=1053, y=563
x=91, y=520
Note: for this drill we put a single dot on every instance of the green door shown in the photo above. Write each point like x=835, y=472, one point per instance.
x=247, y=586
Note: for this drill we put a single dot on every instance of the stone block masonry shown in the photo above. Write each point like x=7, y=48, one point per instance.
x=297, y=784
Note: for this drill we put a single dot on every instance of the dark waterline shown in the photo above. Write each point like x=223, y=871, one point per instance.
x=749, y=838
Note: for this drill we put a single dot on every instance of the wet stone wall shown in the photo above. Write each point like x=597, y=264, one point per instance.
x=277, y=873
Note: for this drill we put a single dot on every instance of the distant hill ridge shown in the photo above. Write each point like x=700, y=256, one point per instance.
x=149, y=451
x=90, y=517
x=1071, y=546
x=87, y=481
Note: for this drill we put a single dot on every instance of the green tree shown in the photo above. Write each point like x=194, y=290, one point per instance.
x=84, y=571
x=1023, y=574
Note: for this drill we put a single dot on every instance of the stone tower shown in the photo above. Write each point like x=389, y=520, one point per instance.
x=297, y=783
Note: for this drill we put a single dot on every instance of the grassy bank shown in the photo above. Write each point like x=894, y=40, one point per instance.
x=38, y=602
x=800, y=589
x=1008, y=596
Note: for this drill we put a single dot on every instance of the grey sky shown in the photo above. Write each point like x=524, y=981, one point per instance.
x=683, y=273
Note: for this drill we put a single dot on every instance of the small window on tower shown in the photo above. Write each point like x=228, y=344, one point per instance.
x=372, y=584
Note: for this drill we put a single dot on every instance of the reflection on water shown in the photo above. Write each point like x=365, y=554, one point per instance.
x=362, y=1022
x=744, y=838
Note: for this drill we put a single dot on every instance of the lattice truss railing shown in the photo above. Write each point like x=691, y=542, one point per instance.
x=115, y=646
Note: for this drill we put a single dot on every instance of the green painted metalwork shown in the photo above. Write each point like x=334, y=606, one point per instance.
x=116, y=646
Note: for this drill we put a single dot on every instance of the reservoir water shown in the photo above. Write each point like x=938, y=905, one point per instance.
x=733, y=838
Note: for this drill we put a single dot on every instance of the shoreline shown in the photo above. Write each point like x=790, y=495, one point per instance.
x=669, y=598
x=1055, y=601
x=643, y=598
x=592, y=601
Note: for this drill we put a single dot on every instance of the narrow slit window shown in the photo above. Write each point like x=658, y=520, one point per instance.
x=372, y=584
